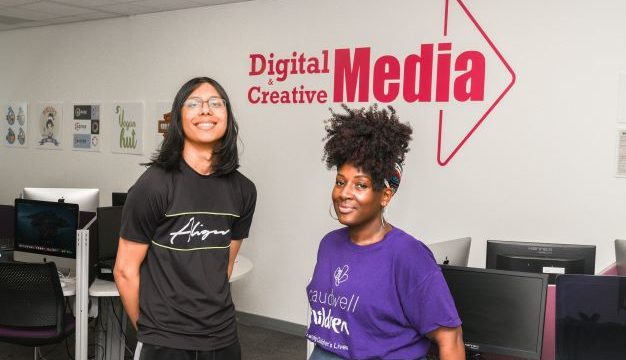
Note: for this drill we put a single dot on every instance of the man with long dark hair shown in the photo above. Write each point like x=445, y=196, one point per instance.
x=182, y=225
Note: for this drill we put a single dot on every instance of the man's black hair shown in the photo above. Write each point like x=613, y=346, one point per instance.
x=225, y=156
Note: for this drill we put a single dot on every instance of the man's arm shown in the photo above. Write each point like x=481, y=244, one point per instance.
x=450, y=342
x=130, y=255
x=234, y=250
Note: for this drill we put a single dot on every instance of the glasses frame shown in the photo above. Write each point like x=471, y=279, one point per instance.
x=207, y=101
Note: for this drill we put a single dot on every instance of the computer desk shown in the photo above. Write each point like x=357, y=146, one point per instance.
x=109, y=336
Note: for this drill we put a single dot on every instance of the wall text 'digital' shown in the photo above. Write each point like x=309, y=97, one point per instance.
x=433, y=73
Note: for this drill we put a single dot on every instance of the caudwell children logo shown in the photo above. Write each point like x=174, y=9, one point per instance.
x=450, y=74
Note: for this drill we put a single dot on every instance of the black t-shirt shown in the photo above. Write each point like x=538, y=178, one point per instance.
x=189, y=220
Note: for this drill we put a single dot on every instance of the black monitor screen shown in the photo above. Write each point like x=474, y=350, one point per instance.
x=590, y=317
x=109, y=221
x=7, y=227
x=47, y=228
x=552, y=259
x=118, y=198
x=502, y=311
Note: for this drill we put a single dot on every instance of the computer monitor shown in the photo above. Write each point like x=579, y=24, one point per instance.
x=7, y=230
x=452, y=252
x=87, y=199
x=502, y=311
x=118, y=198
x=109, y=222
x=552, y=259
x=590, y=317
x=620, y=256
x=45, y=231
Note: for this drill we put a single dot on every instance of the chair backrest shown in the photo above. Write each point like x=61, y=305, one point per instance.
x=31, y=296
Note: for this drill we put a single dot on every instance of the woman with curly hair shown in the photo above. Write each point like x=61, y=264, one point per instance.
x=376, y=292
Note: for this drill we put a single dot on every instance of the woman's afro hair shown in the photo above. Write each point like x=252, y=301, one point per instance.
x=372, y=140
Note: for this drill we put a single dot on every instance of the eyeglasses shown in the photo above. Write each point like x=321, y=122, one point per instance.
x=214, y=103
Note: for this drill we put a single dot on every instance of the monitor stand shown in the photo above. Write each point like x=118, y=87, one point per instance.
x=474, y=356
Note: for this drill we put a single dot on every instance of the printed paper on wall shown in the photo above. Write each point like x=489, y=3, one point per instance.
x=47, y=119
x=127, y=133
x=15, y=124
x=621, y=153
x=86, y=127
x=161, y=126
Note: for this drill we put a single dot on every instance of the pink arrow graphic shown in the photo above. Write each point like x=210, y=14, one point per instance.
x=492, y=106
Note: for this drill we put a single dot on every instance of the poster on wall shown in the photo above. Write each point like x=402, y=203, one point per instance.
x=162, y=115
x=47, y=119
x=621, y=153
x=86, y=127
x=127, y=133
x=15, y=124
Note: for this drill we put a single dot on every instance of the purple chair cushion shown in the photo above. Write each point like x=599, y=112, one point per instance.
x=36, y=335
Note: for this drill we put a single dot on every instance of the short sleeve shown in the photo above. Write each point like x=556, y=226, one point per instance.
x=241, y=226
x=144, y=210
x=429, y=305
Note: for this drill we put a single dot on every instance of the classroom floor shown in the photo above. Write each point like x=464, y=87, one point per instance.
x=256, y=344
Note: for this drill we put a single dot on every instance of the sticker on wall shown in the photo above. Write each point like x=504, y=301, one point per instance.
x=621, y=152
x=456, y=77
x=14, y=125
x=127, y=133
x=86, y=127
x=49, y=125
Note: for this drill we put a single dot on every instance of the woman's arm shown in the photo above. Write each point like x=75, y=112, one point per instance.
x=130, y=255
x=450, y=342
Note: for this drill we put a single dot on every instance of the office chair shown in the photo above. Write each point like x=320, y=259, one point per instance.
x=32, y=306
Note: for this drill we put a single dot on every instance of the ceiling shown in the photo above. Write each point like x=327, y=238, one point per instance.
x=18, y=14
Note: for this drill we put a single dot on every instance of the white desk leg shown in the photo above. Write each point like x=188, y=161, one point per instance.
x=111, y=341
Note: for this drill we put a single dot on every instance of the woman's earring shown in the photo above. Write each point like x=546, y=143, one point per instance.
x=331, y=213
x=382, y=218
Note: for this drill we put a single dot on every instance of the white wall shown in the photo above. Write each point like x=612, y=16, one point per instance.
x=540, y=168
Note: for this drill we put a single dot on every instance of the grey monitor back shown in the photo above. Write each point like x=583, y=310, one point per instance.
x=87, y=199
x=452, y=252
x=620, y=257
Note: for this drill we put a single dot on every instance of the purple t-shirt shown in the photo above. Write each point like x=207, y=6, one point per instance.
x=377, y=301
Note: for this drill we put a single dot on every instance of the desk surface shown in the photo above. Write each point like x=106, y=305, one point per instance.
x=69, y=287
x=104, y=288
